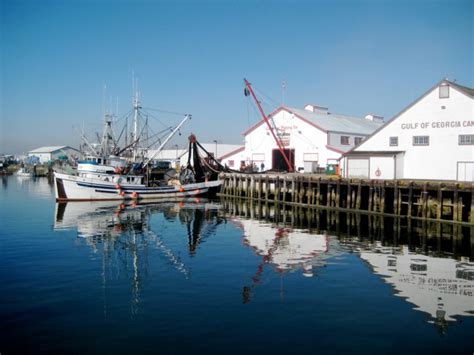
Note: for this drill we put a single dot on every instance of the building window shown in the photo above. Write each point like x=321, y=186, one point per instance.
x=421, y=140
x=466, y=139
x=345, y=140
x=357, y=140
x=444, y=91
x=394, y=141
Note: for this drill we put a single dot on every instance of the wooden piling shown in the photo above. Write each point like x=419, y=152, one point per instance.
x=423, y=200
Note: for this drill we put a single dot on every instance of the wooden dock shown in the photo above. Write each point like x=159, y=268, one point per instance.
x=437, y=201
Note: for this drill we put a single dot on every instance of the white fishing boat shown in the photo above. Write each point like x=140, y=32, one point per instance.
x=117, y=187
x=105, y=175
x=24, y=172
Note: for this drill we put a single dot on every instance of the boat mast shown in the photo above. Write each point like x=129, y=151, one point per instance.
x=107, y=140
x=136, y=107
x=249, y=91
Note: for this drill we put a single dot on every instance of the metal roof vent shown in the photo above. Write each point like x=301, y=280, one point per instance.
x=374, y=118
x=317, y=109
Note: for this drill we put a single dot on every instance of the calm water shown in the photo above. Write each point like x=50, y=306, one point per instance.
x=211, y=277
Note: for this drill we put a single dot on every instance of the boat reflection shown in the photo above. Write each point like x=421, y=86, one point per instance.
x=122, y=234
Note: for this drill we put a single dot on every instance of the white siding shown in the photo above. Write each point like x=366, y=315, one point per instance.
x=399, y=164
x=428, y=117
x=465, y=171
x=382, y=167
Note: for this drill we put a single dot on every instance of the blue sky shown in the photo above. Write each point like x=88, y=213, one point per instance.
x=354, y=57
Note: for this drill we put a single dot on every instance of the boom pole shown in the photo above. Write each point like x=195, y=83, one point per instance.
x=160, y=148
x=265, y=118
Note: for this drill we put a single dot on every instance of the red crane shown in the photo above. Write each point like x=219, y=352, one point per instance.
x=249, y=91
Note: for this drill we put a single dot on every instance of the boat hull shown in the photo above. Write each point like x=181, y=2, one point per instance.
x=76, y=188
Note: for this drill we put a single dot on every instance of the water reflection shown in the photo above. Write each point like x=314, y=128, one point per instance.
x=440, y=287
x=285, y=249
x=122, y=234
x=37, y=187
x=427, y=264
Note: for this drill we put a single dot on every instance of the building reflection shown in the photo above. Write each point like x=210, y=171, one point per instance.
x=428, y=264
x=122, y=235
x=284, y=249
x=441, y=287
x=39, y=187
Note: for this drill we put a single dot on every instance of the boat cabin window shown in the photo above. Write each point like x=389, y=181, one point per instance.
x=99, y=160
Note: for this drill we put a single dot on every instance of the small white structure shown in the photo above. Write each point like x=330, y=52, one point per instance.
x=46, y=154
x=431, y=139
x=179, y=157
x=312, y=137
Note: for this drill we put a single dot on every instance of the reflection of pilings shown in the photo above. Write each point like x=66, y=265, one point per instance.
x=451, y=202
x=424, y=234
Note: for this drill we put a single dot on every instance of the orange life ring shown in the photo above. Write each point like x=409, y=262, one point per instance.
x=134, y=194
x=117, y=186
x=122, y=193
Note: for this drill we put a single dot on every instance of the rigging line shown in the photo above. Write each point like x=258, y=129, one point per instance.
x=165, y=111
x=169, y=128
x=155, y=118
x=124, y=116
x=120, y=136
x=270, y=118
x=268, y=107
x=159, y=138
x=266, y=96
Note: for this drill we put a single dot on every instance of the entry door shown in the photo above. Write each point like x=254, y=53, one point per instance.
x=278, y=162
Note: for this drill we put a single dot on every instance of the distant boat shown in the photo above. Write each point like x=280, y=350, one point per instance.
x=24, y=172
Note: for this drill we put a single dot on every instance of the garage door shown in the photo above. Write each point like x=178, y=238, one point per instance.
x=358, y=168
x=465, y=171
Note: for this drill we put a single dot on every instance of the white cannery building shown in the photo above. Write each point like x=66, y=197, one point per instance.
x=46, y=154
x=312, y=137
x=431, y=139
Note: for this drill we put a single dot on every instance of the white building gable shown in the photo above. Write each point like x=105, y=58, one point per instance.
x=432, y=139
x=312, y=137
